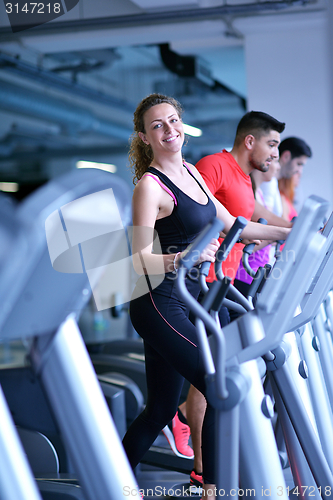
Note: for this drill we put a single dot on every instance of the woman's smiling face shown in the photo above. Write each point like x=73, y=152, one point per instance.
x=163, y=129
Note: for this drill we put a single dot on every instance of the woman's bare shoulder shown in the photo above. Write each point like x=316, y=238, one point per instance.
x=147, y=191
x=148, y=184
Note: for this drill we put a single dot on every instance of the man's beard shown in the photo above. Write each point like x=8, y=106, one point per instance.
x=262, y=167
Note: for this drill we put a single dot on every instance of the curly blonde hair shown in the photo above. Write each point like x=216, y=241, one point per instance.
x=141, y=154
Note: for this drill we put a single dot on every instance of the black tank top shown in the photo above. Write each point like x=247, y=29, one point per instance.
x=187, y=220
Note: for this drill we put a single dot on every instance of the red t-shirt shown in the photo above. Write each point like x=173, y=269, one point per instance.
x=232, y=187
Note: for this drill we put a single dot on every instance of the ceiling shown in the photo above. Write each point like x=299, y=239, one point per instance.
x=68, y=87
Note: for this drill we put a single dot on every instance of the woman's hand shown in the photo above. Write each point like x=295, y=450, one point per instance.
x=208, y=254
x=248, y=242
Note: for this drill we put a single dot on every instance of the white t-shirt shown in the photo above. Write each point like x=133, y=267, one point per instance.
x=272, y=197
x=271, y=193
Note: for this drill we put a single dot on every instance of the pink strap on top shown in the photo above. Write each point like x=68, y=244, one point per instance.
x=162, y=186
x=188, y=168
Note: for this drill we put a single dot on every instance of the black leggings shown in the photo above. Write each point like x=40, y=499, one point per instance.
x=171, y=354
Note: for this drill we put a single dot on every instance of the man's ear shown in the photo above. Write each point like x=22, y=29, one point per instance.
x=285, y=157
x=143, y=138
x=249, y=141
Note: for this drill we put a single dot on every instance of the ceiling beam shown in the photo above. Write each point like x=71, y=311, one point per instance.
x=21, y=68
x=74, y=119
x=154, y=18
x=83, y=153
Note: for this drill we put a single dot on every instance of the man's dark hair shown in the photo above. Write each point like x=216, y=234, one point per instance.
x=296, y=146
x=257, y=124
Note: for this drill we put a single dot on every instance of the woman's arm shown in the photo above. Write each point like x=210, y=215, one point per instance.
x=148, y=199
x=272, y=219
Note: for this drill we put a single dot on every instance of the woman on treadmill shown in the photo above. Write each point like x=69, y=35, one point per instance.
x=171, y=198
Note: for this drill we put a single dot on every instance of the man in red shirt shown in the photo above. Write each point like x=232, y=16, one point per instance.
x=227, y=175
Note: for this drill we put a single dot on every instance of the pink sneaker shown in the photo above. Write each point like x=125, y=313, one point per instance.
x=195, y=478
x=178, y=435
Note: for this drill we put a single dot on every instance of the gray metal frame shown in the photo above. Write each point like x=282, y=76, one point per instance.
x=16, y=480
x=255, y=334
x=318, y=390
x=82, y=413
x=43, y=304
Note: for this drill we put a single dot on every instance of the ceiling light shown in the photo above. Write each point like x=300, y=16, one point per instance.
x=9, y=187
x=108, y=167
x=193, y=131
